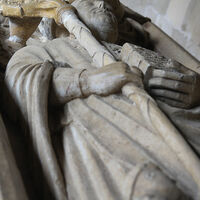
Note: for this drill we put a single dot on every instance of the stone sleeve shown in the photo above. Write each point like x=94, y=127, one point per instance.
x=65, y=85
x=64, y=80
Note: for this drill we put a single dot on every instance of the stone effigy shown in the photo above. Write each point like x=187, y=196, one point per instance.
x=113, y=147
x=21, y=30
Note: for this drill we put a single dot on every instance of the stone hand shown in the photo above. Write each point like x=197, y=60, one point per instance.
x=136, y=16
x=108, y=79
x=133, y=32
x=175, y=85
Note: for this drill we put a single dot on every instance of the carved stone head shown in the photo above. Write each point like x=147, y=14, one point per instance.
x=101, y=16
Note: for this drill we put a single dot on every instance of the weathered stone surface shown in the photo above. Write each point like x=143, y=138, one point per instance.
x=142, y=58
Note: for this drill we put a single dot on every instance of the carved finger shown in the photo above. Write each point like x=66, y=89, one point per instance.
x=162, y=73
x=173, y=103
x=180, y=67
x=180, y=97
x=137, y=26
x=162, y=83
x=185, y=70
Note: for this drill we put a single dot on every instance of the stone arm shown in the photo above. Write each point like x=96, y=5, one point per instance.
x=30, y=60
x=133, y=32
x=131, y=28
x=68, y=83
x=65, y=83
x=128, y=13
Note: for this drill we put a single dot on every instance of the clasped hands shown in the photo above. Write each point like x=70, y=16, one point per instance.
x=174, y=85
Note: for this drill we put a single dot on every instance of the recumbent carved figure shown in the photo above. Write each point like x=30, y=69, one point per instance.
x=103, y=147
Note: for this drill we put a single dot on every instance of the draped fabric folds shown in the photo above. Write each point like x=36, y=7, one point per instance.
x=106, y=141
x=31, y=83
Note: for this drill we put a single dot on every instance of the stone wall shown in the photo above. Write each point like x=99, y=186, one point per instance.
x=178, y=18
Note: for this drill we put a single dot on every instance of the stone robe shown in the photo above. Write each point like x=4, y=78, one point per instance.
x=93, y=148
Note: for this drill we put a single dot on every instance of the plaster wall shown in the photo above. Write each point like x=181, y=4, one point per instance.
x=178, y=18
